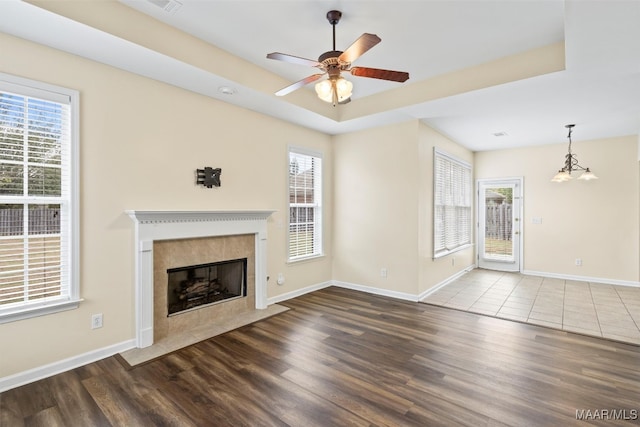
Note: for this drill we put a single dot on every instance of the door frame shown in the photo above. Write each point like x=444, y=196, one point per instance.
x=518, y=227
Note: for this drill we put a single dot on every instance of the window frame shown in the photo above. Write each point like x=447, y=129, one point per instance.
x=69, y=198
x=442, y=251
x=317, y=205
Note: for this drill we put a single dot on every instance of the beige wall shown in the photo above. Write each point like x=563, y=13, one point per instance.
x=140, y=144
x=375, y=209
x=434, y=271
x=596, y=221
x=383, y=194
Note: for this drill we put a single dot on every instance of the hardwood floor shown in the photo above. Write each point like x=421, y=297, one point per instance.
x=342, y=357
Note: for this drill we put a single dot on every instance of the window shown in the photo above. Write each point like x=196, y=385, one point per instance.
x=38, y=212
x=305, y=204
x=452, y=204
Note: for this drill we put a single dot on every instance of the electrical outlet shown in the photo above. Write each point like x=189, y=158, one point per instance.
x=579, y=262
x=383, y=272
x=96, y=321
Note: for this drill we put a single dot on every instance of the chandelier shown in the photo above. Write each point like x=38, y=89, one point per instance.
x=571, y=164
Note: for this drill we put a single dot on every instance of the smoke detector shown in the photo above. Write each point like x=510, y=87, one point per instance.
x=226, y=90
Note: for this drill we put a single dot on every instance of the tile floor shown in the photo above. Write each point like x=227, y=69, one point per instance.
x=609, y=311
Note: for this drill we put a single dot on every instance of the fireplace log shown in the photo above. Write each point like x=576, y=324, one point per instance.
x=198, y=288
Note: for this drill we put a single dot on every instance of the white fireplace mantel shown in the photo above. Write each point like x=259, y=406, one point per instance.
x=167, y=225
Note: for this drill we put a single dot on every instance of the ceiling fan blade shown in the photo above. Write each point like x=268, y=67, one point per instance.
x=376, y=73
x=299, y=84
x=293, y=59
x=359, y=47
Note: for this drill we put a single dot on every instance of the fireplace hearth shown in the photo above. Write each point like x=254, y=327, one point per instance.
x=198, y=286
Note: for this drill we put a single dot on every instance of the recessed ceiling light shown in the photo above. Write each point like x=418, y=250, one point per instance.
x=227, y=90
x=500, y=134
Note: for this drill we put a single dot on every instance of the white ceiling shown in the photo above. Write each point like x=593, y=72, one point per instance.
x=599, y=91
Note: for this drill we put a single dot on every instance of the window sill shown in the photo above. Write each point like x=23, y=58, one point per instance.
x=42, y=310
x=452, y=251
x=303, y=259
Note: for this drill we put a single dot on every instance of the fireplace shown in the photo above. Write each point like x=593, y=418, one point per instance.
x=197, y=286
x=167, y=240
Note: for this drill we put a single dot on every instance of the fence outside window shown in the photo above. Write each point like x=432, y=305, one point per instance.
x=42, y=220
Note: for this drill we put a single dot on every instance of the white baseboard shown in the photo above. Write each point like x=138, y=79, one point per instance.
x=340, y=284
x=582, y=278
x=376, y=291
x=41, y=372
x=369, y=289
x=298, y=292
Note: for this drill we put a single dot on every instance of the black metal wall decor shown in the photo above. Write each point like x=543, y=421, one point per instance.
x=209, y=177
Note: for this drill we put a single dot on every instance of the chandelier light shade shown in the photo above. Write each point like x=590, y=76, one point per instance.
x=571, y=164
x=334, y=90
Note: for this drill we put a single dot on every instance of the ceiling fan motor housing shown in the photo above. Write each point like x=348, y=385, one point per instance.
x=330, y=55
x=332, y=64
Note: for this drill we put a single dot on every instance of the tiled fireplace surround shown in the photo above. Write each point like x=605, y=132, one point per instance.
x=170, y=239
x=202, y=250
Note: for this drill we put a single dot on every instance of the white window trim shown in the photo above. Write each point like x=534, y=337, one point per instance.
x=319, y=217
x=34, y=88
x=452, y=158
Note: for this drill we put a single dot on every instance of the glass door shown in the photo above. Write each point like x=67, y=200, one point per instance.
x=499, y=224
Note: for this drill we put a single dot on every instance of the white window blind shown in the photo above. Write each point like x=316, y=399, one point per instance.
x=305, y=204
x=452, y=204
x=36, y=198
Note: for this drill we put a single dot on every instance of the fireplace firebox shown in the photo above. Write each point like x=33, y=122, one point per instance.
x=202, y=285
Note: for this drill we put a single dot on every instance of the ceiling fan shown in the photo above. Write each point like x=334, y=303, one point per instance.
x=335, y=88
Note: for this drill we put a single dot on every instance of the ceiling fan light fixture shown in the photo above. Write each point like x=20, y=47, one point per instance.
x=334, y=90
x=344, y=88
x=324, y=89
